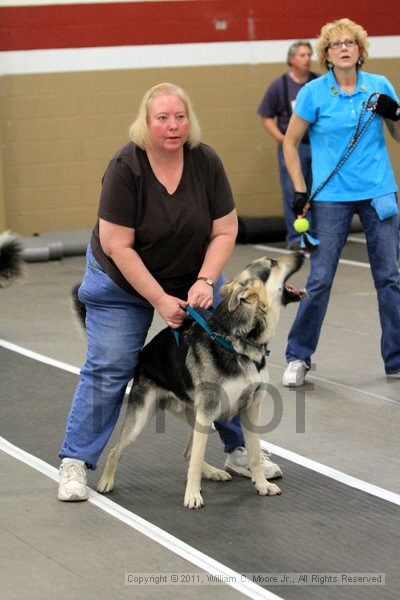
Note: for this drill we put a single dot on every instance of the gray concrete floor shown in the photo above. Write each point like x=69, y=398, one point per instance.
x=351, y=423
x=51, y=549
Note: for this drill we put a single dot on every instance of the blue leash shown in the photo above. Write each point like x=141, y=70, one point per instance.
x=307, y=240
x=358, y=132
x=213, y=335
x=203, y=323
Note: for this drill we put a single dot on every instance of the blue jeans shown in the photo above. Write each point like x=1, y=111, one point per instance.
x=116, y=325
x=288, y=189
x=331, y=225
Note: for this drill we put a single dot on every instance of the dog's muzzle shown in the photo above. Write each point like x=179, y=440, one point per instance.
x=291, y=293
x=295, y=294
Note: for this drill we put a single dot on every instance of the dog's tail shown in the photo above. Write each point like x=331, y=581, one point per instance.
x=78, y=306
x=10, y=259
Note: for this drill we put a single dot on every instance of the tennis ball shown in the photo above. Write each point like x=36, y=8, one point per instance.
x=301, y=225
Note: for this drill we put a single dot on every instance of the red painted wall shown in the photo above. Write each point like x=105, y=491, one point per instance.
x=88, y=25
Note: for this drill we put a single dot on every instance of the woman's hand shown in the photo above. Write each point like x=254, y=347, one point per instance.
x=171, y=310
x=387, y=108
x=200, y=294
x=300, y=204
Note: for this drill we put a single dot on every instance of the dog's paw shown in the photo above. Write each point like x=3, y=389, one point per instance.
x=193, y=499
x=274, y=490
x=217, y=474
x=105, y=486
x=267, y=489
x=221, y=475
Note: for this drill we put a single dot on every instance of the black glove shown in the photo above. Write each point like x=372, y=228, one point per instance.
x=387, y=108
x=300, y=199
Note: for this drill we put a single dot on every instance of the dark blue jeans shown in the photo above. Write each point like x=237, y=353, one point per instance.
x=287, y=187
x=331, y=225
x=116, y=325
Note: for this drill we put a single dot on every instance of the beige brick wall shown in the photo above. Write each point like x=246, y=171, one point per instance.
x=59, y=131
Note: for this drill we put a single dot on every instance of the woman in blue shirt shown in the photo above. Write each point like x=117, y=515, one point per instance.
x=330, y=108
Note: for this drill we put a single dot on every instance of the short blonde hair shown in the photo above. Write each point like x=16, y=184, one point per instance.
x=330, y=30
x=139, y=131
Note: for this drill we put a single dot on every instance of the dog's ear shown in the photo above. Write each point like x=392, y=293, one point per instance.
x=226, y=288
x=239, y=293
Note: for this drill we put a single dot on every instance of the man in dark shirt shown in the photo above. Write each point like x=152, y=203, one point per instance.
x=275, y=110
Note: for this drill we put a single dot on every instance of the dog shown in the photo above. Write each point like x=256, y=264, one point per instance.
x=208, y=377
x=10, y=259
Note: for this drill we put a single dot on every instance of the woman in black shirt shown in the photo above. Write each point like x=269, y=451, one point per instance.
x=166, y=228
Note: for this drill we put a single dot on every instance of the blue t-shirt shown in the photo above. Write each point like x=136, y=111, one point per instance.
x=333, y=116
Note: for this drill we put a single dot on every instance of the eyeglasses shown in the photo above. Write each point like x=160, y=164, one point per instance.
x=337, y=45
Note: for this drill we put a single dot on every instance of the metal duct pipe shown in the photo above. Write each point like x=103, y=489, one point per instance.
x=54, y=251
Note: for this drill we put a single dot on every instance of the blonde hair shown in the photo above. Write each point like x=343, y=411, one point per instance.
x=330, y=30
x=139, y=131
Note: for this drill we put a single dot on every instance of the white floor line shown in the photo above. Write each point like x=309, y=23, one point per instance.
x=354, y=389
x=357, y=240
x=354, y=263
x=175, y=545
x=39, y=357
x=342, y=261
x=341, y=385
x=273, y=249
x=75, y=370
x=45, y=359
x=292, y=456
x=349, y=480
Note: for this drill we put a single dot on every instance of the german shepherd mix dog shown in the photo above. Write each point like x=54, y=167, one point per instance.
x=213, y=376
x=10, y=259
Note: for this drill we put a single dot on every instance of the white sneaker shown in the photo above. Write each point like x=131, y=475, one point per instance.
x=237, y=462
x=73, y=486
x=295, y=373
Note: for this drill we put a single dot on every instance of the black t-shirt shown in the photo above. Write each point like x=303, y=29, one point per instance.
x=171, y=230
